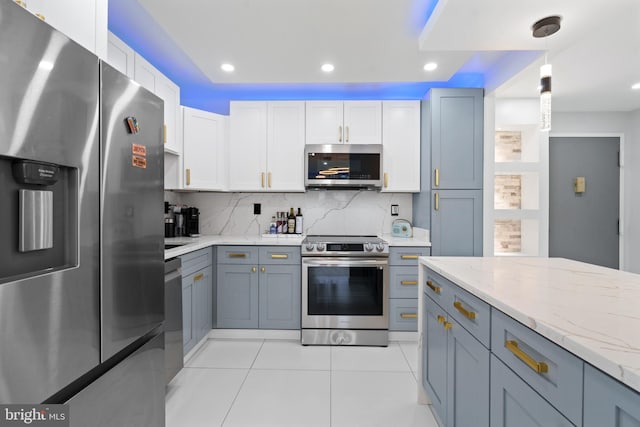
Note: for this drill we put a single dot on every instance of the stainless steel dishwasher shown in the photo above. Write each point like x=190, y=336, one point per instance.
x=172, y=317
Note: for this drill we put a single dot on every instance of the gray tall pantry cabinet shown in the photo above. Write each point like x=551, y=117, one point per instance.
x=450, y=201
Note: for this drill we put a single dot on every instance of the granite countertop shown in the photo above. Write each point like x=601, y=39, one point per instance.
x=420, y=238
x=190, y=244
x=194, y=243
x=592, y=311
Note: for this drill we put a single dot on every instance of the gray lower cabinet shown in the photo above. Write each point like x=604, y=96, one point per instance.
x=455, y=371
x=456, y=223
x=607, y=402
x=197, y=296
x=279, y=297
x=515, y=404
x=258, y=287
x=237, y=296
x=403, y=286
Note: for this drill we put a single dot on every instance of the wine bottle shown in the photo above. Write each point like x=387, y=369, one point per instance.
x=299, y=222
x=291, y=222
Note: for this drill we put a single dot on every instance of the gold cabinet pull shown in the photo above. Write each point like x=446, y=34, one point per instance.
x=468, y=314
x=41, y=16
x=447, y=325
x=262, y=179
x=436, y=201
x=339, y=133
x=436, y=178
x=188, y=176
x=434, y=288
x=347, y=129
x=262, y=269
x=237, y=255
x=408, y=256
x=440, y=318
x=409, y=282
x=164, y=127
x=386, y=180
x=269, y=180
x=198, y=277
x=279, y=256
x=408, y=316
x=539, y=367
x=253, y=269
x=22, y=3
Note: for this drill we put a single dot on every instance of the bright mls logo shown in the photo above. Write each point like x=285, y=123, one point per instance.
x=34, y=415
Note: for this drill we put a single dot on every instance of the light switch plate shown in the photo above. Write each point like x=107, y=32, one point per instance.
x=395, y=210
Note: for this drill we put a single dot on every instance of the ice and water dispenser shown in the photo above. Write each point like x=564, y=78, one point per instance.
x=39, y=218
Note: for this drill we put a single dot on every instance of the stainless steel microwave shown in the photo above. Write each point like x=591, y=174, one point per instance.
x=343, y=166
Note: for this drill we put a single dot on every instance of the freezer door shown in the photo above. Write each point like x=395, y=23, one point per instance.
x=131, y=211
x=130, y=394
x=49, y=292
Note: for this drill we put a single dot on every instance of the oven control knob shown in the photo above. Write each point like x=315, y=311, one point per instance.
x=310, y=246
x=320, y=247
x=368, y=247
x=380, y=247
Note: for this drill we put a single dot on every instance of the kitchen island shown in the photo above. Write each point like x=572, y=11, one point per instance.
x=555, y=323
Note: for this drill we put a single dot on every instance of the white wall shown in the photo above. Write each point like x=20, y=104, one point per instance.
x=627, y=126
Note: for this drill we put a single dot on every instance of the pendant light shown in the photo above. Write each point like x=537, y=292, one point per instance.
x=544, y=28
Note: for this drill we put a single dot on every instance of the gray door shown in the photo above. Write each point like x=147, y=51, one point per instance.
x=584, y=225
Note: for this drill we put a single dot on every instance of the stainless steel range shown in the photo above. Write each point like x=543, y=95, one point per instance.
x=345, y=290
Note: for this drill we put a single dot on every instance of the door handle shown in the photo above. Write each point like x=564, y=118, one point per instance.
x=237, y=255
x=471, y=315
x=164, y=127
x=408, y=256
x=436, y=201
x=433, y=287
x=539, y=367
x=188, y=176
x=279, y=256
x=339, y=133
x=409, y=282
x=262, y=179
x=436, y=177
x=269, y=179
x=347, y=129
x=253, y=269
x=262, y=269
x=198, y=277
x=386, y=180
x=408, y=316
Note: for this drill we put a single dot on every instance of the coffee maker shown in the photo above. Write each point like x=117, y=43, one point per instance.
x=191, y=217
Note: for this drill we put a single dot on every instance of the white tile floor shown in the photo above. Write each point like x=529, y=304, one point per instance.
x=281, y=383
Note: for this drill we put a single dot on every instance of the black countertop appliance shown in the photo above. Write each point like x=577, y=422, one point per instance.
x=191, y=221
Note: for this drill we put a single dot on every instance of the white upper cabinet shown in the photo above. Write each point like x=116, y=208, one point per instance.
x=204, y=149
x=152, y=79
x=120, y=56
x=266, y=147
x=84, y=21
x=285, y=146
x=247, y=146
x=343, y=122
x=401, y=146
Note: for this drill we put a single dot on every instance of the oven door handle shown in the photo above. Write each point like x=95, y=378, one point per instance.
x=345, y=262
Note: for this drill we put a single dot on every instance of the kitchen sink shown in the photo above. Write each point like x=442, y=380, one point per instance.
x=173, y=245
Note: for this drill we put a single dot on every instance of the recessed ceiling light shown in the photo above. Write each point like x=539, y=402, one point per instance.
x=636, y=86
x=430, y=66
x=327, y=68
x=227, y=67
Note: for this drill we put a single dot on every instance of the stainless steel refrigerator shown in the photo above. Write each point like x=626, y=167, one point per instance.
x=81, y=240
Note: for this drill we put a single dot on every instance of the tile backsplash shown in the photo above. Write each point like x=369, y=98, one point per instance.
x=324, y=212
